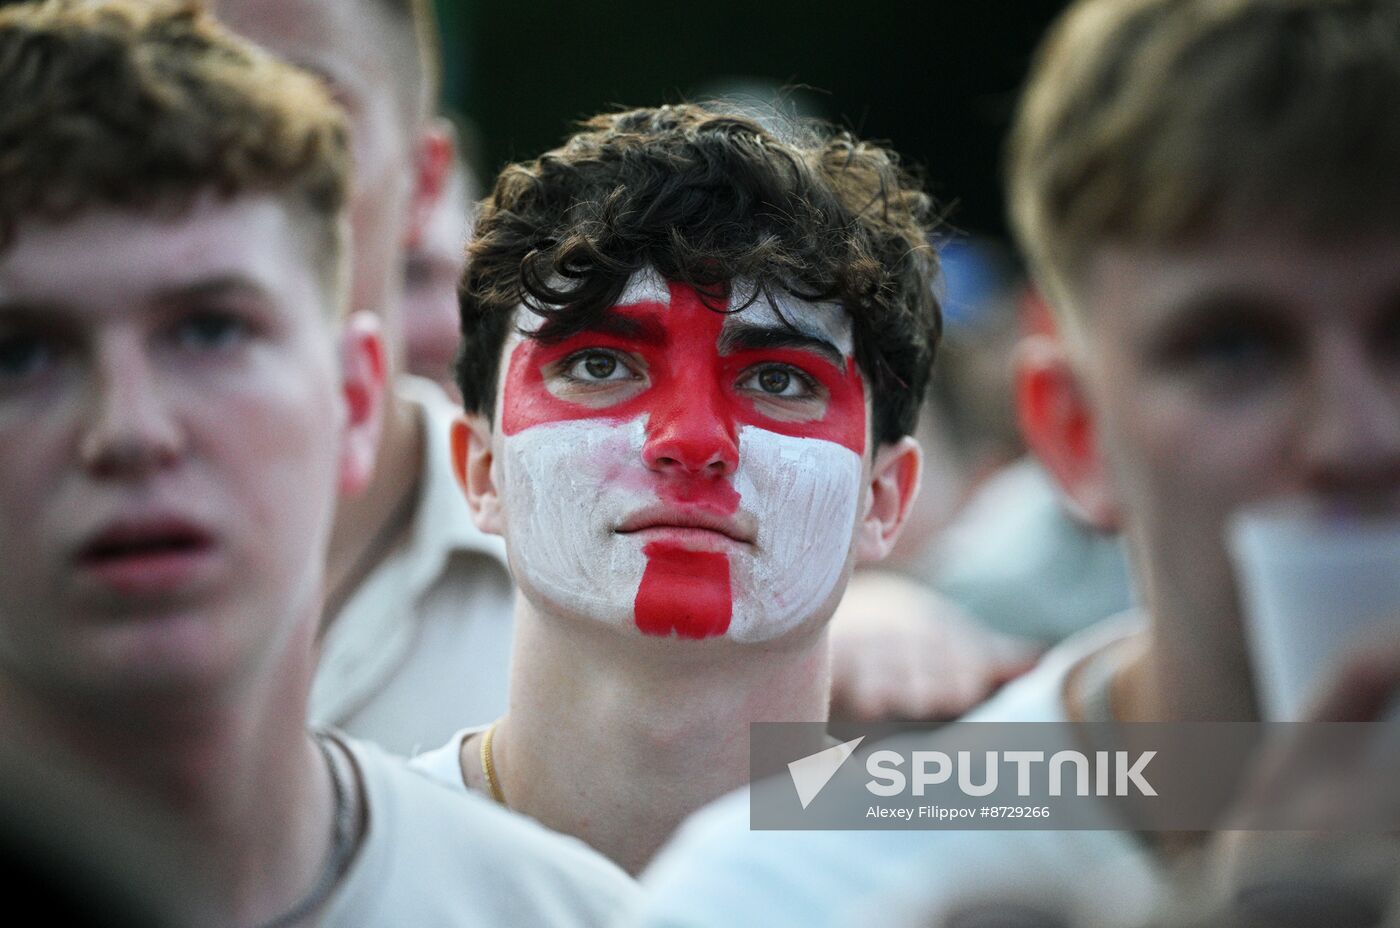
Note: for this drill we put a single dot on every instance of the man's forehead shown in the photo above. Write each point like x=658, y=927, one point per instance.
x=331, y=38
x=255, y=239
x=113, y=265
x=825, y=322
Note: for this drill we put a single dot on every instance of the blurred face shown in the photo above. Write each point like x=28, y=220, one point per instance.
x=170, y=436
x=679, y=471
x=342, y=41
x=434, y=265
x=1235, y=371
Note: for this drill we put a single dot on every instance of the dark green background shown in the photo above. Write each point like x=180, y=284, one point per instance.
x=937, y=80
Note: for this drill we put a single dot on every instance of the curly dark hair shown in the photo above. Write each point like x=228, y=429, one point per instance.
x=707, y=197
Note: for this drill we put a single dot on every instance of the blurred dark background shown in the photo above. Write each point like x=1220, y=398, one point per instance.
x=936, y=80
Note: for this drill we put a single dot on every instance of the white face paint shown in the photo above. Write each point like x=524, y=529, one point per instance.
x=653, y=481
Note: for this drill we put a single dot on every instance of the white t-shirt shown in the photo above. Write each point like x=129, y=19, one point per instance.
x=444, y=764
x=422, y=647
x=719, y=872
x=432, y=859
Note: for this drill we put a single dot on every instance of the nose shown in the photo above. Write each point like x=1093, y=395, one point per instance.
x=1352, y=441
x=692, y=433
x=130, y=429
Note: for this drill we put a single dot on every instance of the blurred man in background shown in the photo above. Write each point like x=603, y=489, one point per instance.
x=1208, y=194
x=417, y=627
x=432, y=269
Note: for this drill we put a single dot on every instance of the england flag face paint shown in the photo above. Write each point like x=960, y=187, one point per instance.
x=682, y=471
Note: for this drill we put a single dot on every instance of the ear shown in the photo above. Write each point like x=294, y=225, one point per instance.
x=432, y=165
x=894, y=483
x=472, y=461
x=363, y=376
x=1057, y=421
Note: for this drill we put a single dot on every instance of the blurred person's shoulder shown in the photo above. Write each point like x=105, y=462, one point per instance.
x=1038, y=695
x=432, y=856
x=1015, y=535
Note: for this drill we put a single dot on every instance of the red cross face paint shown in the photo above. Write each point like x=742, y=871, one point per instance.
x=683, y=471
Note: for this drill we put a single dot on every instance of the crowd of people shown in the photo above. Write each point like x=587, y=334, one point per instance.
x=379, y=553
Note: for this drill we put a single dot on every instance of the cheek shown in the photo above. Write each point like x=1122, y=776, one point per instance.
x=39, y=446
x=805, y=494
x=274, y=436
x=563, y=486
x=1197, y=453
x=42, y=497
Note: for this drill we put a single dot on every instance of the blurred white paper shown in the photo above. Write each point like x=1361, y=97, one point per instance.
x=1316, y=582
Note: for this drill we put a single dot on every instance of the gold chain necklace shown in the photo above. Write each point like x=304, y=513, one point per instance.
x=488, y=765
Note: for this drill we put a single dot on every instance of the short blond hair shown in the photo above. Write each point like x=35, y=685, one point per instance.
x=1151, y=122
x=147, y=104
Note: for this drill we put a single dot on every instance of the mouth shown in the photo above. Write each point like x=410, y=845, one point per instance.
x=146, y=556
x=687, y=524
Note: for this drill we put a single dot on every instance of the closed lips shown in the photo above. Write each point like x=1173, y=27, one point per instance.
x=673, y=518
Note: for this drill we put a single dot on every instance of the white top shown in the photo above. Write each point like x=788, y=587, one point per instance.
x=431, y=859
x=718, y=872
x=423, y=646
x=444, y=764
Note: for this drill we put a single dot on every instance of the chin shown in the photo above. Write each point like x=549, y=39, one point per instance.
x=188, y=655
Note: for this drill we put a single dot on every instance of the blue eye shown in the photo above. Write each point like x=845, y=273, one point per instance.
x=24, y=355
x=210, y=331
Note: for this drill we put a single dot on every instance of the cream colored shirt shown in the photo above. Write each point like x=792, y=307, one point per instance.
x=432, y=859
x=422, y=648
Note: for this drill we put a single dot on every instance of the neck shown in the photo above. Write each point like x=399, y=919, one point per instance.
x=648, y=729
x=236, y=772
x=365, y=525
x=1182, y=674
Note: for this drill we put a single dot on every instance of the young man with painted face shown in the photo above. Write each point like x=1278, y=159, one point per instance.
x=417, y=625
x=693, y=350
x=1209, y=193
x=181, y=401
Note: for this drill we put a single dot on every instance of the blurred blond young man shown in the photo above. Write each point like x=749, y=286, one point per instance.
x=182, y=400
x=1209, y=193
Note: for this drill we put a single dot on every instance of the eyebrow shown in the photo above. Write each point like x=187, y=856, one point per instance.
x=742, y=336
x=224, y=285
x=610, y=321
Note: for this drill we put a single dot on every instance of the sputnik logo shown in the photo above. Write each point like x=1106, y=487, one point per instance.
x=810, y=774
